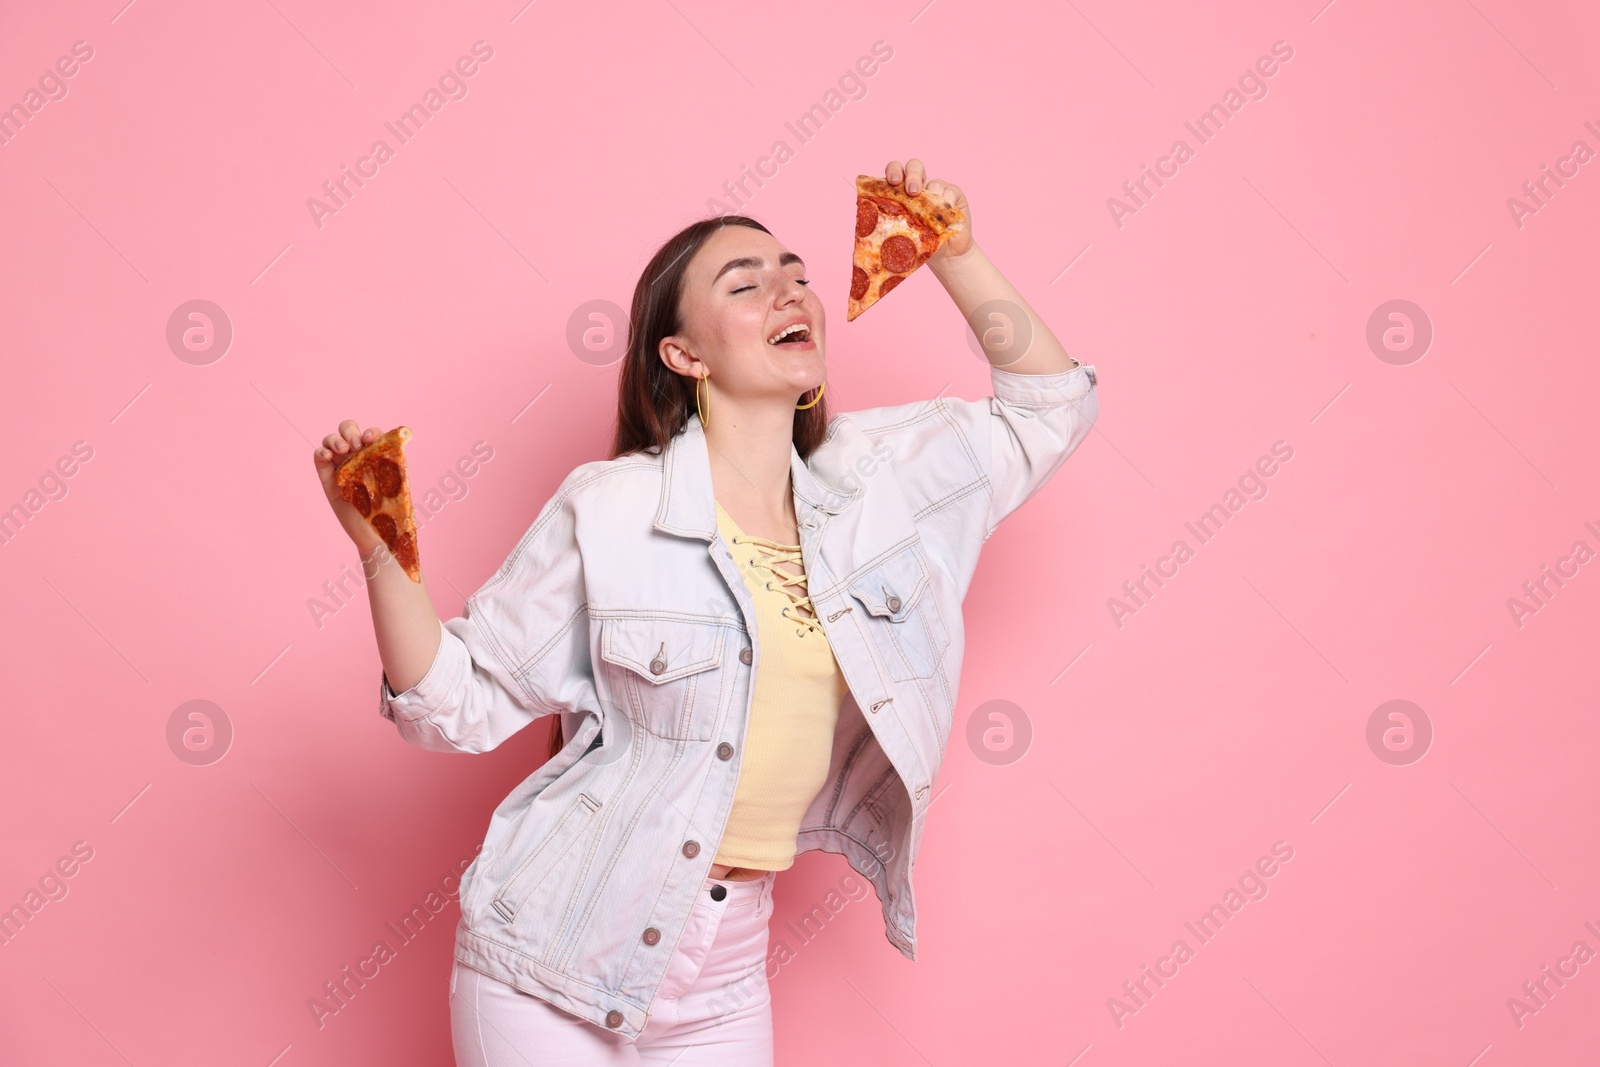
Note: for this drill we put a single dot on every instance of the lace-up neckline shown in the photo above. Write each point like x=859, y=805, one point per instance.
x=764, y=556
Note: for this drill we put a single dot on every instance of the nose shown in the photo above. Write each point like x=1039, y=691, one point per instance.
x=790, y=292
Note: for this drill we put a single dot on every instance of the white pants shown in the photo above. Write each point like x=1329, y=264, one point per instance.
x=713, y=1008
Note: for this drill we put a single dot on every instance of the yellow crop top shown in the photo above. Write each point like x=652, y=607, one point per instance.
x=798, y=691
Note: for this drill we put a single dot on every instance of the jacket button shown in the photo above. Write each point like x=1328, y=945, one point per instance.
x=894, y=603
x=691, y=849
x=724, y=751
x=745, y=655
x=613, y=1018
x=652, y=935
x=658, y=665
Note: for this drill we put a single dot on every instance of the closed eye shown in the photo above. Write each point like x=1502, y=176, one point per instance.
x=744, y=288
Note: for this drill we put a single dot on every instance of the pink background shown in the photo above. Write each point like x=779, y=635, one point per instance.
x=1230, y=312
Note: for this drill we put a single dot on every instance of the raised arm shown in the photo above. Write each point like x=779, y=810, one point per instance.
x=964, y=465
x=1013, y=337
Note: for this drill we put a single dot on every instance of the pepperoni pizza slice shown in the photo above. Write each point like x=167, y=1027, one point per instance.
x=895, y=234
x=373, y=480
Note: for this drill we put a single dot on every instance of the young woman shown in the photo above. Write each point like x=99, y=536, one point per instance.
x=748, y=621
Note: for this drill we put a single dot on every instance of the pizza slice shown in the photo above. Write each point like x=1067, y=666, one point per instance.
x=895, y=234
x=373, y=480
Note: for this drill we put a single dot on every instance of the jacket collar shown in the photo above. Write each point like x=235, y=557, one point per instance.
x=688, y=502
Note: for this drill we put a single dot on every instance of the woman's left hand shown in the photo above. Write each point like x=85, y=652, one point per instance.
x=915, y=179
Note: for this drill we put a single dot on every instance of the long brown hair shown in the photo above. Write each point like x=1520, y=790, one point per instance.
x=654, y=402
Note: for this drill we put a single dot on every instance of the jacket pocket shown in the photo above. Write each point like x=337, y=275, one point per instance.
x=902, y=619
x=662, y=671
x=538, y=869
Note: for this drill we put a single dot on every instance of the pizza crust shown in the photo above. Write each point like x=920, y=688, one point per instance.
x=373, y=481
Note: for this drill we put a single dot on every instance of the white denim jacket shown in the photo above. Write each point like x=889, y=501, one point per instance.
x=622, y=609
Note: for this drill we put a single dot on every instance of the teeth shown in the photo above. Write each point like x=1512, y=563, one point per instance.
x=798, y=327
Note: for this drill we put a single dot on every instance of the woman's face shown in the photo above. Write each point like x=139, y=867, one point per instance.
x=750, y=321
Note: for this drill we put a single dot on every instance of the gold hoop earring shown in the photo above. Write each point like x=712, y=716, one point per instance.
x=705, y=417
x=813, y=402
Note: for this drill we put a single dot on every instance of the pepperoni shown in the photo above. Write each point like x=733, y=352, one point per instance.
x=358, y=496
x=387, y=530
x=406, y=552
x=890, y=207
x=899, y=254
x=866, y=217
x=859, y=283
x=388, y=475
x=889, y=283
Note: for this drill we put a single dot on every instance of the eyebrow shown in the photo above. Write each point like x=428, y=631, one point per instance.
x=756, y=261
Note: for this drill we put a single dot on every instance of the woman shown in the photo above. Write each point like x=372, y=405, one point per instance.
x=749, y=622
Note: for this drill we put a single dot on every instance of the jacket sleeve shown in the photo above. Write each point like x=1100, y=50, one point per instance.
x=1026, y=431
x=519, y=650
x=985, y=458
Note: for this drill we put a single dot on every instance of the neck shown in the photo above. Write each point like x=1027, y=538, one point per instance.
x=749, y=447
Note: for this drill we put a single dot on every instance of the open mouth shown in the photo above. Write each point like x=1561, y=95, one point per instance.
x=796, y=333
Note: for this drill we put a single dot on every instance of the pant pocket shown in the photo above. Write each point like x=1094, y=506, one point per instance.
x=690, y=956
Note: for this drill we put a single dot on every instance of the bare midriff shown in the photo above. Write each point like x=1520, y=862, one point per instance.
x=734, y=874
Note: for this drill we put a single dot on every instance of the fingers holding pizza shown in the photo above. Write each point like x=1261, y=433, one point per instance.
x=913, y=178
x=903, y=220
x=363, y=475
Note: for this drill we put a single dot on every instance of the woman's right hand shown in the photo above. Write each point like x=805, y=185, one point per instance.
x=335, y=451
